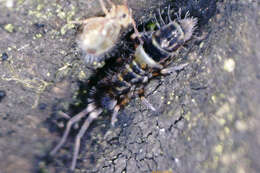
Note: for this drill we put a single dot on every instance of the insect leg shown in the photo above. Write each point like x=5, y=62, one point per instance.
x=168, y=13
x=114, y=115
x=178, y=15
x=103, y=7
x=144, y=100
x=147, y=103
x=136, y=34
x=92, y=116
x=169, y=70
x=187, y=14
x=156, y=22
x=89, y=59
x=64, y=115
x=73, y=120
x=67, y=117
x=160, y=16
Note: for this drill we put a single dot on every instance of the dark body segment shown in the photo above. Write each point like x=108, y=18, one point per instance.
x=121, y=83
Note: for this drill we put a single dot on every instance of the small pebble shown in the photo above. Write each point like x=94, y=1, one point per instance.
x=38, y=25
x=229, y=65
x=4, y=56
x=42, y=106
x=9, y=28
x=2, y=95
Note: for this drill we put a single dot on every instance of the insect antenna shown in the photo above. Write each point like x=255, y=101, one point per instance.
x=92, y=116
x=72, y=121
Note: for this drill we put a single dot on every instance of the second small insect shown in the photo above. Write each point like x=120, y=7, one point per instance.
x=99, y=35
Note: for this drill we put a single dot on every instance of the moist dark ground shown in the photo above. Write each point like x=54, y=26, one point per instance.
x=208, y=114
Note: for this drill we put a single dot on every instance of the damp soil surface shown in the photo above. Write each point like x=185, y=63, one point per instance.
x=207, y=115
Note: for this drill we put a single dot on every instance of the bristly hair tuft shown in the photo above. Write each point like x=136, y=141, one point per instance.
x=189, y=25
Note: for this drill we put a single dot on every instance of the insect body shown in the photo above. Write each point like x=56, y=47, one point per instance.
x=123, y=78
x=98, y=35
